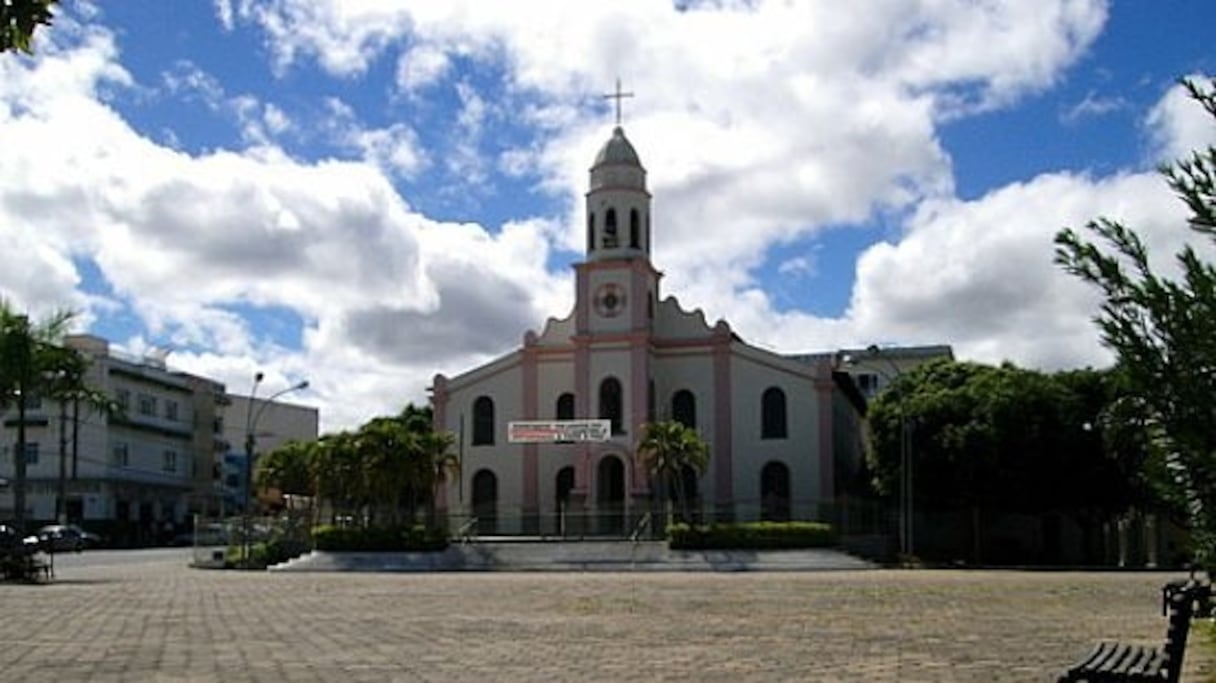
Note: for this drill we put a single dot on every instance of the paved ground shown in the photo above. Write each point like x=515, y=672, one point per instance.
x=165, y=622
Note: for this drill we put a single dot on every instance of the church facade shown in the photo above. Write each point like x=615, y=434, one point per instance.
x=779, y=429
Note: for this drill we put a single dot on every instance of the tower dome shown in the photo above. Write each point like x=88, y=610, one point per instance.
x=618, y=150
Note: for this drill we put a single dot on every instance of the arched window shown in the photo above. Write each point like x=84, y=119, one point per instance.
x=772, y=414
x=610, y=403
x=590, y=232
x=635, y=229
x=485, y=501
x=610, y=238
x=684, y=408
x=565, y=406
x=483, y=421
x=775, y=492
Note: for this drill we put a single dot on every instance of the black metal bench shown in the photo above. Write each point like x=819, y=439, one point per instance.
x=1111, y=662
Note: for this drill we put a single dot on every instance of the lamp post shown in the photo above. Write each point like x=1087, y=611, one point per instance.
x=906, y=505
x=251, y=426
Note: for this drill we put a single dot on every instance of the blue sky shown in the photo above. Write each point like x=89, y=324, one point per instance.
x=366, y=193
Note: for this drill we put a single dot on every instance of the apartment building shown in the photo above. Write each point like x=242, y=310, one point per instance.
x=133, y=476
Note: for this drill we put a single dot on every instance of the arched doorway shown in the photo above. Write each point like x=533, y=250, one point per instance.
x=485, y=502
x=562, y=486
x=610, y=495
x=775, y=492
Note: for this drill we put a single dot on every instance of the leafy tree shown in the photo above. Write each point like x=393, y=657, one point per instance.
x=382, y=472
x=34, y=363
x=286, y=468
x=667, y=451
x=998, y=439
x=1164, y=332
x=19, y=18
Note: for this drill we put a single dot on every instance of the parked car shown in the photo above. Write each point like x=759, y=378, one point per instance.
x=67, y=537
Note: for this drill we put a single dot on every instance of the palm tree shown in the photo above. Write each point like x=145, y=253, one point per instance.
x=667, y=451
x=33, y=362
x=442, y=465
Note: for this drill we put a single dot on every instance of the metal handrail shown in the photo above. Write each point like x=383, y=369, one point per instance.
x=637, y=528
x=465, y=532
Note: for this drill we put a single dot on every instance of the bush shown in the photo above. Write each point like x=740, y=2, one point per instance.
x=751, y=536
x=379, y=539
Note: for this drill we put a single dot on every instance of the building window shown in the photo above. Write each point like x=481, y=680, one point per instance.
x=565, y=406
x=590, y=232
x=169, y=461
x=635, y=229
x=684, y=408
x=147, y=404
x=772, y=414
x=123, y=398
x=170, y=410
x=483, y=421
x=610, y=403
x=610, y=238
x=775, y=492
x=121, y=455
x=31, y=453
x=868, y=383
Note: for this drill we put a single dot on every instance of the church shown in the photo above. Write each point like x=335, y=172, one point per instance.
x=782, y=431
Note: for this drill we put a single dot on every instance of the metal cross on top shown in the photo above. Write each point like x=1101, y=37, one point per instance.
x=618, y=96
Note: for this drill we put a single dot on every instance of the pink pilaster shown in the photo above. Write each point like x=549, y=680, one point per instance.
x=530, y=405
x=724, y=485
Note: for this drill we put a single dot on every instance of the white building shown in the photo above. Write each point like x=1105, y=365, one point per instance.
x=274, y=423
x=131, y=475
x=136, y=475
x=778, y=428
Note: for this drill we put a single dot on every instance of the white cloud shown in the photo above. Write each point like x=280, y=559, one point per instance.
x=1092, y=106
x=802, y=116
x=1178, y=125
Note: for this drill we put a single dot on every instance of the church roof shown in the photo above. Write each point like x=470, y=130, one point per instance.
x=618, y=150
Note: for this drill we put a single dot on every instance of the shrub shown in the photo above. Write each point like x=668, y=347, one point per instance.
x=751, y=536
x=378, y=539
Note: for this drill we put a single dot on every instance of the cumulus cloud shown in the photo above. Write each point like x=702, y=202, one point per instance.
x=803, y=117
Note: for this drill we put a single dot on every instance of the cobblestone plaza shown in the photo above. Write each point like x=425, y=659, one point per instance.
x=166, y=622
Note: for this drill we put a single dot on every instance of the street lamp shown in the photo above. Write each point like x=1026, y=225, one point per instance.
x=251, y=426
x=906, y=505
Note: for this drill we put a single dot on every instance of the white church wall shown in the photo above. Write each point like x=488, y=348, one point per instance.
x=690, y=369
x=501, y=458
x=555, y=376
x=673, y=322
x=750, y=377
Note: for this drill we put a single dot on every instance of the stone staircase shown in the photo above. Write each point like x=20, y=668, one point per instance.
x=490, y=554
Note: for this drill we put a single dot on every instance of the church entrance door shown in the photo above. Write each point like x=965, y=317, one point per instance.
x=610, y=496
x=485, y=502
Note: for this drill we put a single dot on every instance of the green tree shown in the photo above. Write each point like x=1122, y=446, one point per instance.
x=667, y=451
x=287, y=468
x=19, y=18
x=1164, y=331
x=442, y=465
x=34, y=363
x=998, y=439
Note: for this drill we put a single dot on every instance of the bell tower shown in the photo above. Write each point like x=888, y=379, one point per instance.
x=618, y=287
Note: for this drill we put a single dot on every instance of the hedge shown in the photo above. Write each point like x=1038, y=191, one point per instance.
x=378, y=539
x=751, y=536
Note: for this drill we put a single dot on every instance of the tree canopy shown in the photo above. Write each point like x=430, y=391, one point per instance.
x=668, y=452
x=19, y=19
x=1002, y=438
x=383, y=472
x=1163, y=330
